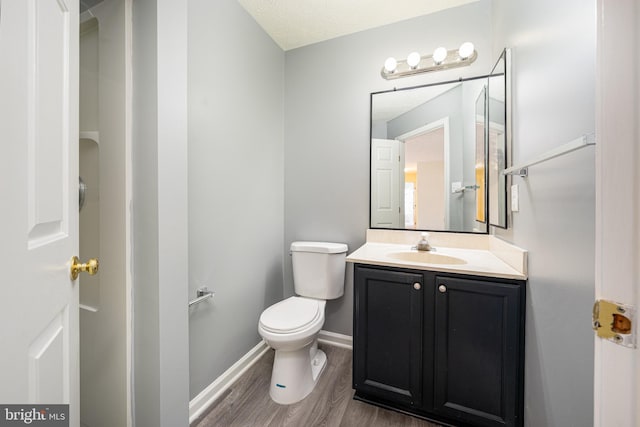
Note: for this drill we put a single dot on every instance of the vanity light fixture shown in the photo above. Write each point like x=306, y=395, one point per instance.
x=441, y=59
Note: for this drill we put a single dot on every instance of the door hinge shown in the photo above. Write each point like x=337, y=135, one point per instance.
x=615, y=322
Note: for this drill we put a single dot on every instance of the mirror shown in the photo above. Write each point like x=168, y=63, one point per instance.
x=499, y=139
x=481, y=156
x=428, y=155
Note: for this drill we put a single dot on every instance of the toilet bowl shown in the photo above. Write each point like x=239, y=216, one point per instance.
x=291, y=326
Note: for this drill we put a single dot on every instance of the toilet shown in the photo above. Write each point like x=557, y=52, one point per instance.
x=291, y=326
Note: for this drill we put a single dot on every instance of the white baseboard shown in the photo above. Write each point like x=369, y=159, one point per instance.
x=335, y=339
x=202, y=401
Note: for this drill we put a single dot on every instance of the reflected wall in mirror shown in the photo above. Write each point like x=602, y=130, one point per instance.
x=424, y=172
x=499, y=139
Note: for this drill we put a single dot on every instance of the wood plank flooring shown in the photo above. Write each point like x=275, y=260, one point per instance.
x=330, y=404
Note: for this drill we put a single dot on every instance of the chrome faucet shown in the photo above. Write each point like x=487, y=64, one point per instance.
x=423, y=244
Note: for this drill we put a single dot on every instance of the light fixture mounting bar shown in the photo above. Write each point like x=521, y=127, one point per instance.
x=428, y=64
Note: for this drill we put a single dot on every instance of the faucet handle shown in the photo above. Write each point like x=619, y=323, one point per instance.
x=423, y=244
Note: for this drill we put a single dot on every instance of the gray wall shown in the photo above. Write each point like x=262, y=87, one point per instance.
x=236, y=183
x=145, y=219
x=327, y=89
x=554, y=102
x=159, y=229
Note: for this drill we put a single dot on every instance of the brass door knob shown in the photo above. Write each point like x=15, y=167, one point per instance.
x=90, y=267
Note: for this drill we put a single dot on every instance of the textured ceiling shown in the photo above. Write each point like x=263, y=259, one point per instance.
x=296, y=23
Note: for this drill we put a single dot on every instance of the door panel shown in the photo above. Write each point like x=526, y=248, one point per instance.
x=478, y=353
x=47, y=382
x=388, y=335
x=47, y=99
x=387, y=184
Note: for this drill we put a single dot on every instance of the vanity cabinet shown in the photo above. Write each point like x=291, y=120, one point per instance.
x=389, y=331
x=442, y=346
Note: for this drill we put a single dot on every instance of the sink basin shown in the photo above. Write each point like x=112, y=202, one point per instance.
x=425, y=257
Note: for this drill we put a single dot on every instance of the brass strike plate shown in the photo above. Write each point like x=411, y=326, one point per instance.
x=615, y=322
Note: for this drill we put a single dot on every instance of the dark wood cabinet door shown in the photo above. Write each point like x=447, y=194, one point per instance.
x=387, y=358
x=478, y=351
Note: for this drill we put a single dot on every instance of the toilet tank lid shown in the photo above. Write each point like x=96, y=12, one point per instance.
x=319, y=247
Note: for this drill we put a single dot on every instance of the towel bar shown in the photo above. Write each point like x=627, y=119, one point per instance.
x=201, y=294
x=581, y=142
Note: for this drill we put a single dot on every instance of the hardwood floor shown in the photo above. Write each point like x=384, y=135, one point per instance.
x=331, y=404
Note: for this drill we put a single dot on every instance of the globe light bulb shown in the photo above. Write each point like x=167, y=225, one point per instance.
x=390, y=64
x=413, y=60
x=439, y=55
x=466, y=50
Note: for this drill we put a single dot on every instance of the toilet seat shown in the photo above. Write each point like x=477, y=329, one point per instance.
x=292, y=315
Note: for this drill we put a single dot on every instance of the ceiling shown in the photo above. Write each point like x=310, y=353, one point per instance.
x=297, y=23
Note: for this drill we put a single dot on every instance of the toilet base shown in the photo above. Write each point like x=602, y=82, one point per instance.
x=295, y=373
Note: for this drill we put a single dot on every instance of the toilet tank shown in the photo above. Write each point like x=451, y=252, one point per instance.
x=318, y=269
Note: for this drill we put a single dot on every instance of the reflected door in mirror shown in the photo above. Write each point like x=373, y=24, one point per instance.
x=387, y=184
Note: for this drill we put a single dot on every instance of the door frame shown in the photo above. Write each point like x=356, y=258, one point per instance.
x=616, y=368
x=128, y=150
x=128, y=195
x=429, y=127
x=128, y=198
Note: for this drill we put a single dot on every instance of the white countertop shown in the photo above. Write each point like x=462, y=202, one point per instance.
x=480, y=262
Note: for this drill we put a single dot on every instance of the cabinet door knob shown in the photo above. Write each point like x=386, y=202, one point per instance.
x=417, y=286
x=442, y=288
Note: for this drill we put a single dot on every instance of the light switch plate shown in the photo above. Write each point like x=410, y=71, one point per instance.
x=515, y=198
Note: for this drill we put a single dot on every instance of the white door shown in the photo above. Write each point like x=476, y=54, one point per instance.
x=387, y=184
x=39, y=196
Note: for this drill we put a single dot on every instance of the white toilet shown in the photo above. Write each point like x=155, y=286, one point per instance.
x=291, y=326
